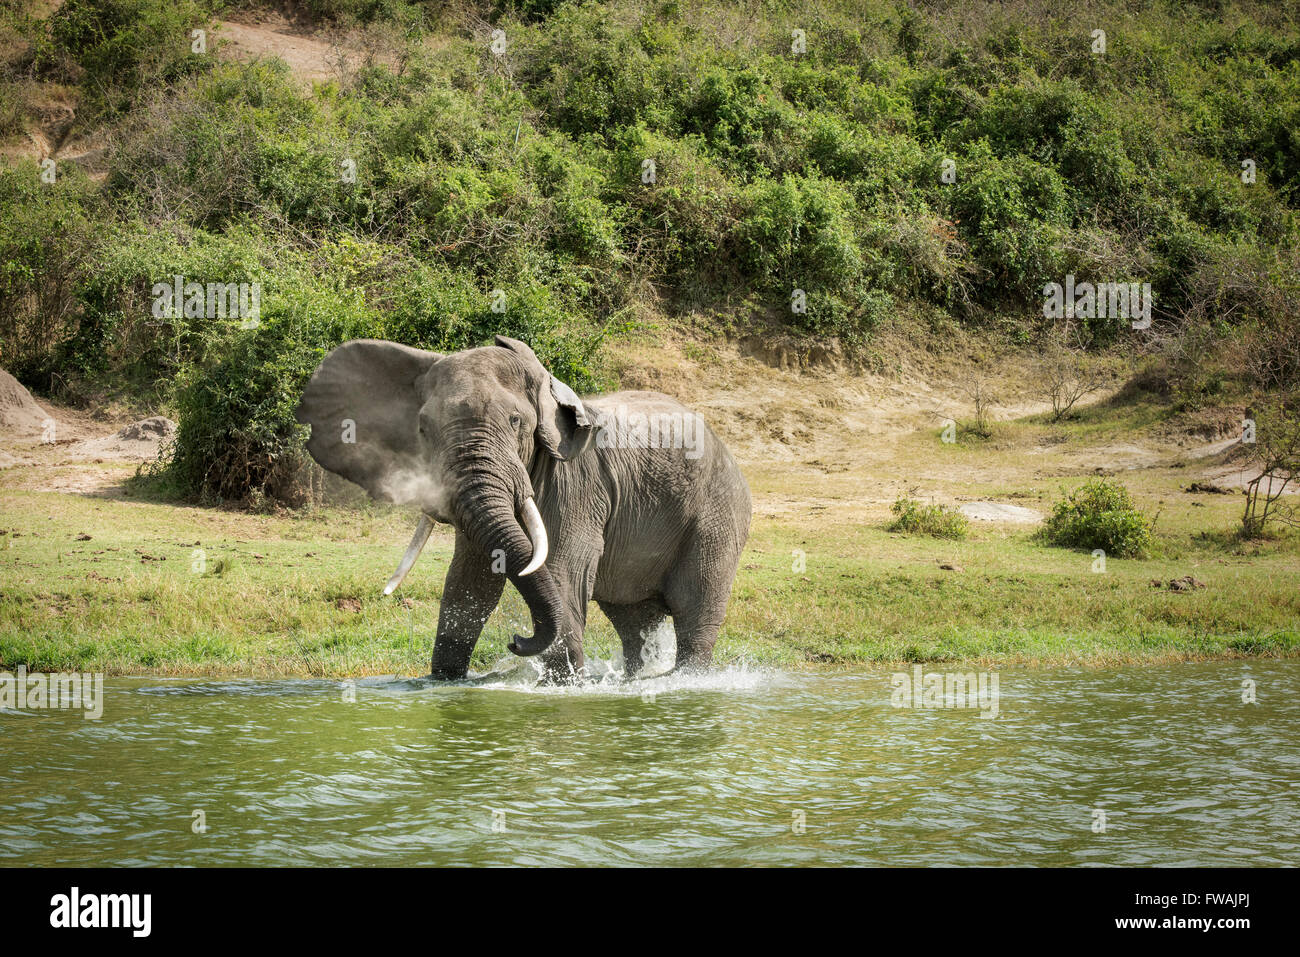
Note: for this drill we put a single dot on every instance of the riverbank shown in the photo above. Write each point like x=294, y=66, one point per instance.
x=159, y=589
x=96, y=579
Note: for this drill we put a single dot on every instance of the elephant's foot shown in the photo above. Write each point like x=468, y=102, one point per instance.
x=693, y=657
x=563, y=664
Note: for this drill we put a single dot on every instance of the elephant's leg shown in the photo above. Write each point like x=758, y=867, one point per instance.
x=697, y=631
x=634, y=624
x=697, y=591
x=470, y=593
x=564, y=660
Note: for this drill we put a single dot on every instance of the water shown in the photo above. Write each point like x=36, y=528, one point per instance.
x=738, y=767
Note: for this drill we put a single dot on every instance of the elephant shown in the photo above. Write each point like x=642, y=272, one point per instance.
x=627, y=498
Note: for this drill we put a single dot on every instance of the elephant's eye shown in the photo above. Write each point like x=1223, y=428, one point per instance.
x=514, y=421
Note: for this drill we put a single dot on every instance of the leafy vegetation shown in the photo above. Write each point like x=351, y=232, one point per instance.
x=625, y=158
x=1099, y=514
x=937, y=520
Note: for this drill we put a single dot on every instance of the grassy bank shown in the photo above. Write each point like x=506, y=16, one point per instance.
x=301, y=596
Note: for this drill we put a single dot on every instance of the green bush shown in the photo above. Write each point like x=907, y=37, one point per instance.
x=1099, y=514
x=47, y=250
x=237, y=140
x=937, y=520
x=117, y=48
x=799, y=233
x=1060, y=125
x=682, y=224
x=1012, y=212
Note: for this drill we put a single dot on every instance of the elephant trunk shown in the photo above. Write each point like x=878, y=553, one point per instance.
x=486, y=511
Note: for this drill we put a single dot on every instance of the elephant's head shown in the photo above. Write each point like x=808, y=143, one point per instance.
x=454, y=435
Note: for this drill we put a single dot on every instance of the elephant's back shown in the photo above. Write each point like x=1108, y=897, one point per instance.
x=670, y=441
x=641, y=399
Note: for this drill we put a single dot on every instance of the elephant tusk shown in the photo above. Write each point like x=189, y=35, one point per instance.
x=422, y=532
x=537, y=532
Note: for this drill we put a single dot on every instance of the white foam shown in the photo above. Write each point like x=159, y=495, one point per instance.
x=606, y=678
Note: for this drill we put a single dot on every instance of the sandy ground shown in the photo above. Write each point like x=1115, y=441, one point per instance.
x=46, y=446
x=310, y=58
x=846, y=445
x=1001, y=512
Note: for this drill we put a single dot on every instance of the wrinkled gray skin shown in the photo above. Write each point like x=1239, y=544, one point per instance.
x=470, y=436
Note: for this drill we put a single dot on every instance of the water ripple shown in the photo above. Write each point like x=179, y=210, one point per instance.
x=741, y=766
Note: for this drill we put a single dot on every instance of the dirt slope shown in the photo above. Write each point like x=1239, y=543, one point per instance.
x=310, y=58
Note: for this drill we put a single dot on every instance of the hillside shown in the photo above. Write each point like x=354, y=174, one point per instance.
x=831, y=228
x=804, y=182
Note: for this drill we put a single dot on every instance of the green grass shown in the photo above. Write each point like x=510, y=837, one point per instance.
x=865, y=595
x=868, y=595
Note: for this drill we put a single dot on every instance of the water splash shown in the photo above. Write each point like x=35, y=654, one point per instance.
x=608, y=678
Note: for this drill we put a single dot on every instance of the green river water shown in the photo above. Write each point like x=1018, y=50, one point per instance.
x=739, y=767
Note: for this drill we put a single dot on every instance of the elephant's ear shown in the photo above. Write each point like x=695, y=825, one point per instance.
x=564, y=427
x=363, y=405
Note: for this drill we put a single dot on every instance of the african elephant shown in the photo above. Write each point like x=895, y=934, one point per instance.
x=627, y=498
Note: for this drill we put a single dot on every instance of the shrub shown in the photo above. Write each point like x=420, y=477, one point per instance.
x=239, y=139
x=1276, y=456
x=798, y=233
x=120, y=47
x=937, y=520
x=1059, y=124
x=1012, y=213
x=742, y=117
x=119, y=335
x=1063, y=375
x=235, y=438
x=47, y=244
x=681, y=225
x=1099, y=514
